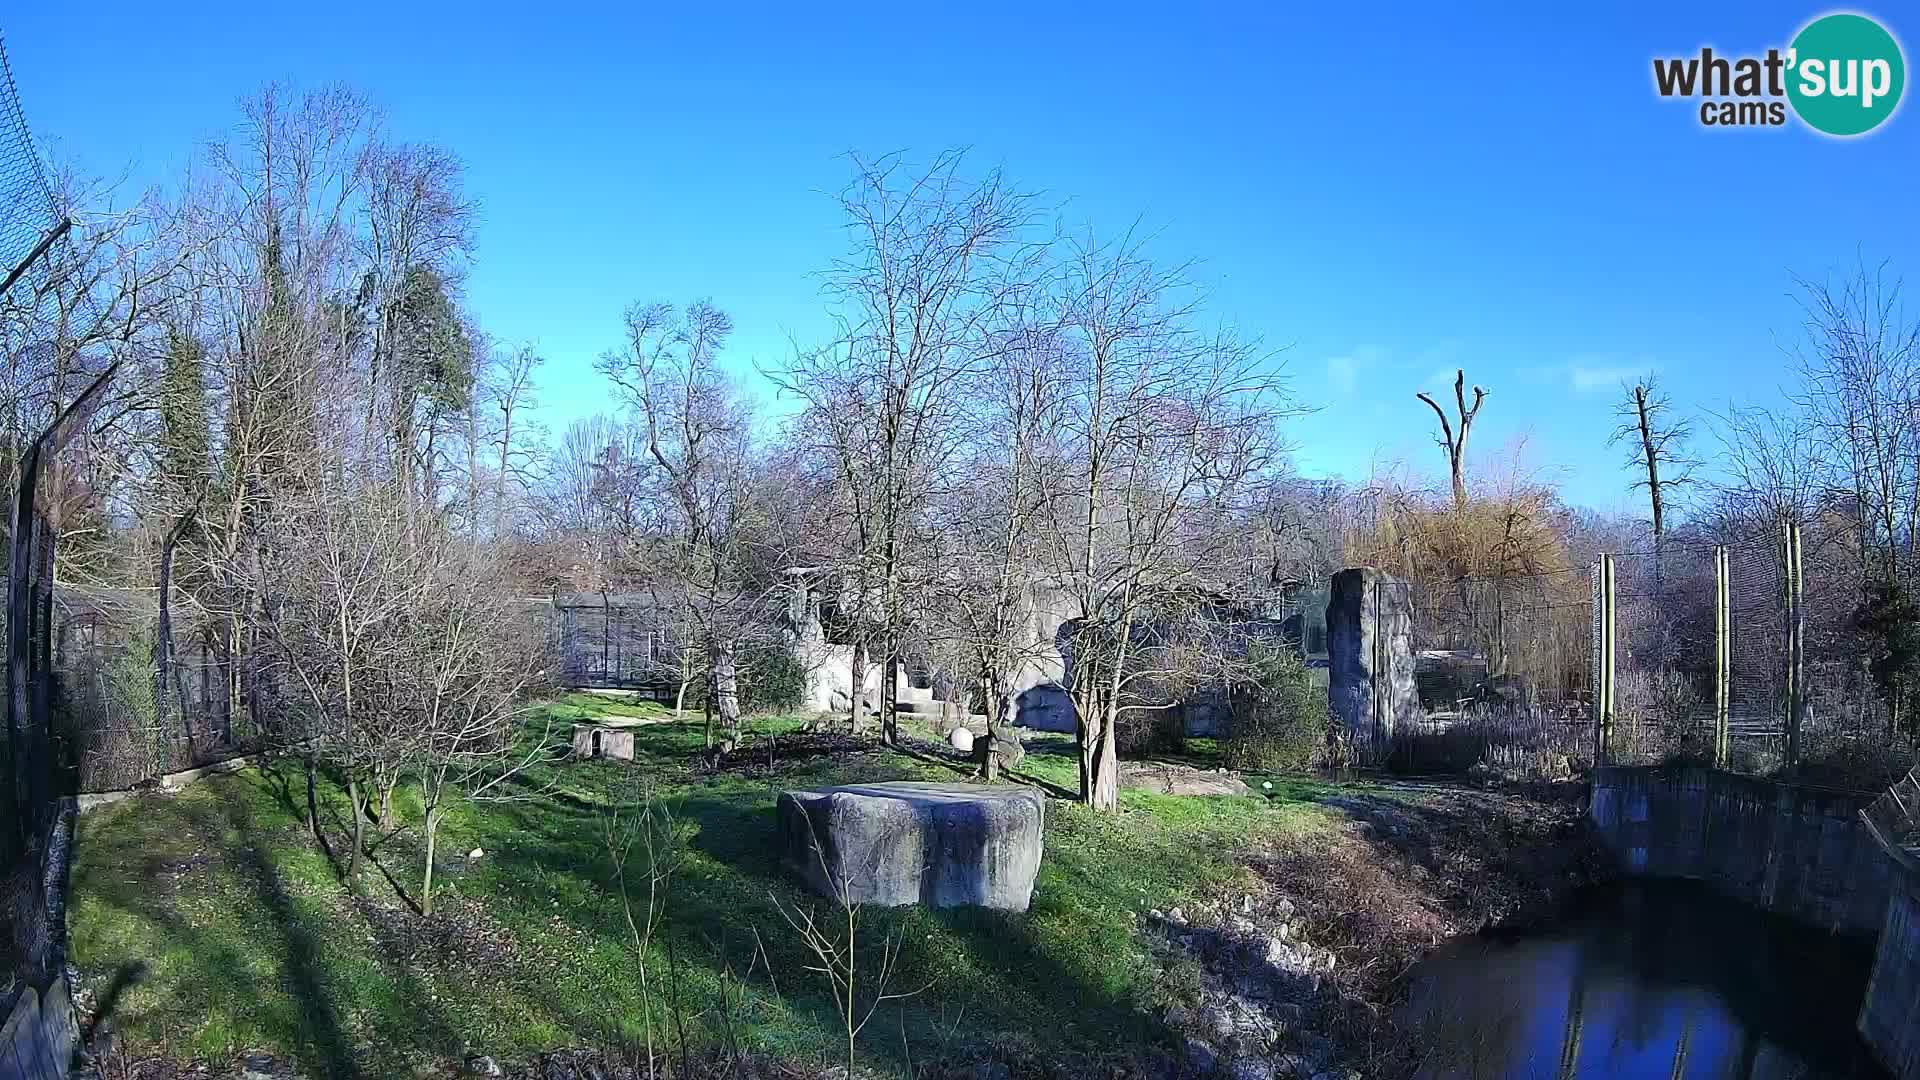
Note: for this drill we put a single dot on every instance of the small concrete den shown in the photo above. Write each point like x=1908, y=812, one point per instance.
x=942, y=845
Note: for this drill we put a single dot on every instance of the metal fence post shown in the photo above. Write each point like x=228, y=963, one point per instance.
x=1723, y=656
x=1796, y=643
x=1603, y=665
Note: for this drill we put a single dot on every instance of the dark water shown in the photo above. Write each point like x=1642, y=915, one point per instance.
x=1647, y=980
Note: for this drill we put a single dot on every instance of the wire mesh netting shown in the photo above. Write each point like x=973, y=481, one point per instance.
x=1667, y=651
x=623, y=641
x=1756, y=646
x=30, y=839
x=26, y=201
x=1664, y=654
x=115, y=727
x=1502, y=670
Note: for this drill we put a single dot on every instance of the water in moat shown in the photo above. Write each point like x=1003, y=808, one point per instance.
x=1646, y=979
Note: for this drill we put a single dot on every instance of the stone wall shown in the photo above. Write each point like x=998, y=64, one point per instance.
x=38, y=1040
x=1890, y=1016
x=1798, y=851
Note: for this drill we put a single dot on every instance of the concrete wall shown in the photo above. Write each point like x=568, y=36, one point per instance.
x=1801, y=852
x=37, y=1042
x=1890, y=1016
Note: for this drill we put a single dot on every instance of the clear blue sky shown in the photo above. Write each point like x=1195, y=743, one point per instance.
x=1386, y=192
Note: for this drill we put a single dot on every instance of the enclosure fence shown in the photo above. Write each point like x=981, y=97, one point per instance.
x=1746, y=655
x=622, y=641
x=32, y=836
x=1501, y=670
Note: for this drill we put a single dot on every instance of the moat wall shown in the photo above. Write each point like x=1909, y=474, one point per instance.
x=1801, y=852
x=1797, y=851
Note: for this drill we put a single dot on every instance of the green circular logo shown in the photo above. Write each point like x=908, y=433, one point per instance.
x=1845, y=74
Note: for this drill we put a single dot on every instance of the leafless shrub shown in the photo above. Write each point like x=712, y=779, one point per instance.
x=833, y=940
x=647, y=848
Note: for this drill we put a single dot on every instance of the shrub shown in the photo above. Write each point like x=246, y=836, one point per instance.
x=772, y=678
x=1279, y=718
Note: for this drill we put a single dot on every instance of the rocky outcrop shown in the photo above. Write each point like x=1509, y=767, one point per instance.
x=1260, y=1006
x=1370, y=684
x=942, y=845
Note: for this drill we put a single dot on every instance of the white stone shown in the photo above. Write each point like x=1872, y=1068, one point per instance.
x=961, y=740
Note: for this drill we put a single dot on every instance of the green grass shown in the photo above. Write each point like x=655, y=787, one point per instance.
x=249, y=942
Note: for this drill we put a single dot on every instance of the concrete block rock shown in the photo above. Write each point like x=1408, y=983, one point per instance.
x=942, y=845
x=1371, y=685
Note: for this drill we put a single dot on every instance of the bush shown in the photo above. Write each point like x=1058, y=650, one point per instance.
x=1863, y=764
x=1279, y=718
x=772, y=678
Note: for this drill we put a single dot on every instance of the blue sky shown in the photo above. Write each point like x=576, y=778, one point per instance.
x=1383, y=193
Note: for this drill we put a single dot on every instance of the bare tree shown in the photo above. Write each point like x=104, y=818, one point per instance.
x=1658, y=447
x=1162, y=427
x=987, y=553
x=1453, y=445
x=698, y=439
x=933, y=256
x=1859, y=368
x=462, y=673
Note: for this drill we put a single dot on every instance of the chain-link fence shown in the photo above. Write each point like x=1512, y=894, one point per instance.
x=1501, y=671
x=624, y=641
x=117, y=724
x=33, y=830
x=1749, y=654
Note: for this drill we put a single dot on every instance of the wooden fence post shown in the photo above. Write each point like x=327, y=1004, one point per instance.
x=1796, y=644
x=1723, y=656
x=1603, y=665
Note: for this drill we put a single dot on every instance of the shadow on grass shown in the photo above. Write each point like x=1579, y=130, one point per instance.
x=277, y=960
x=999, y=967
x=107, y=1002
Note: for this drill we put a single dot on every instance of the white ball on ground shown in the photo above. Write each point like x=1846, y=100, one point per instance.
x=961, y=740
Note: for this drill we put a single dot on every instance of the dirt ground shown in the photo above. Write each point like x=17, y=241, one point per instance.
x=1413, y=865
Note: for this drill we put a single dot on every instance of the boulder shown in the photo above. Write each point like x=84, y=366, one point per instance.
x=942, y=845
x=961, y=739
x=1002, y=744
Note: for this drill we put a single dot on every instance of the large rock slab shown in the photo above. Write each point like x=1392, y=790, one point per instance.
x=1370, y=660
x=942, y=845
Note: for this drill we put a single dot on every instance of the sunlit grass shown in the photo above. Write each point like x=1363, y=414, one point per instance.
x=249, y=941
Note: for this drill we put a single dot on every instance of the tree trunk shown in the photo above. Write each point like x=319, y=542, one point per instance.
x=856, y=712
x=359, y=830
x=1089, y=718
x=426, y=877
x=1650, y=456
x=163, y=634
x=313, y=801
x=890, y=693
x=1105, y=791
x=726, y=686
x=1002, y=742
x=386, y=800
